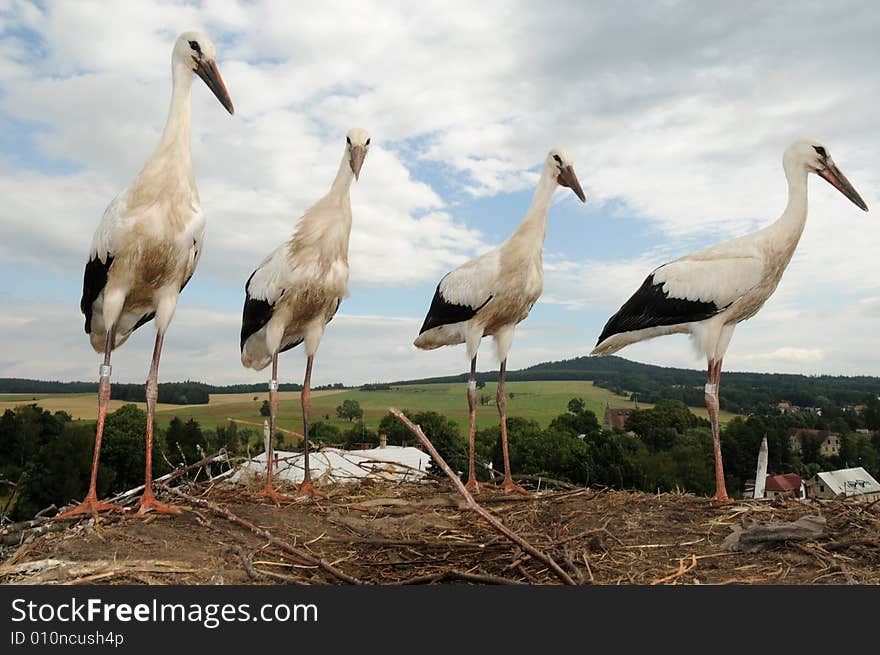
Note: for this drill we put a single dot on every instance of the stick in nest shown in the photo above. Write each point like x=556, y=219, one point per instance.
x=472, y=504
x=268, y=536
x=682, y=569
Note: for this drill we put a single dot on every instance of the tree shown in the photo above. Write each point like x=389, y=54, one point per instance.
x=264, y=409
x=324, y=433
x=123, y=448
x=576, y=405
x=583, y=424
x=349, y=409
x=443, y=433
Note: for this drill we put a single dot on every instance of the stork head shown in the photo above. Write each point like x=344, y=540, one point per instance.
x=357, y=142
x=814, y=156
x=196, y=51
x=561, y=165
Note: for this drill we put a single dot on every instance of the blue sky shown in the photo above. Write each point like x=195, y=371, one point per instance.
x=676, y=114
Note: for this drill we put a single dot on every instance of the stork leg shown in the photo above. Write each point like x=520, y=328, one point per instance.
x=268, y=489
x=91, y=504
x=306, y=488
x=712, y=404
x=148, y=502
x=472, y=485
x=508, y=485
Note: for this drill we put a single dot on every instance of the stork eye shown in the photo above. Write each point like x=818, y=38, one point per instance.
x=558, y=159
x=195, y=46
x=820, y=150
x=348, y=140
x=368, y=142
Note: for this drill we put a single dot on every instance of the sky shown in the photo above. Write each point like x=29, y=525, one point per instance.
x=676, y=114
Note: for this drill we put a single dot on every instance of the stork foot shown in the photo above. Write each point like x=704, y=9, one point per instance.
x=722, y=498
x=275, y=496
x=307, y=489
x=90, y=505
x=472, y=486
x=509, y=486
x=149, y=504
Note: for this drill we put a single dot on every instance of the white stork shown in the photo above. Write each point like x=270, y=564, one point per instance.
x=706, y=293
x=146, y=249
x=297, y=289
x=489, y=295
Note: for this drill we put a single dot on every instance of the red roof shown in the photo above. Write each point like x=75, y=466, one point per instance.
x=789, y=482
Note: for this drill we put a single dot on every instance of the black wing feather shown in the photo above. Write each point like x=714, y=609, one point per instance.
x=651, y=306
x=255, y=314
x=292, y=344
x=94, y=281
x=443, y=312
x=146, y=318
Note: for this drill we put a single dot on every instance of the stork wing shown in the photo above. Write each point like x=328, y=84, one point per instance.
x=463, y=292
x=104, y=246
x=685, y=291
x=262, y=290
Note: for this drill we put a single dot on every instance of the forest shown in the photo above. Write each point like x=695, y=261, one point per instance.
x=45, y=457
x=741, y=393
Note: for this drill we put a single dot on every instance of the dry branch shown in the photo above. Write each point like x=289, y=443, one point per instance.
x=219, y=456
x=473, y=505
x=265, y=534
x=682, y=569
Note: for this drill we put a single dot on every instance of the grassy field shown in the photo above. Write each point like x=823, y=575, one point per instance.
x=540, y=401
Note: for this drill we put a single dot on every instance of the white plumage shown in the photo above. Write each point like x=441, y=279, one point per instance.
x=296, y=290
x=706, y=293
x=490, y=295
x=147, y=246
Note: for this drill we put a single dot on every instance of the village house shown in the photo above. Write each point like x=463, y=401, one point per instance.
x=854, y=483
x=789, y=485
x=829, y=442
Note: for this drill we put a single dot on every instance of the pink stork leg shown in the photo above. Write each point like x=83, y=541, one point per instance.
x=501, y=399
x=306, y=488
x=148, y=501
x=472, y=485
x=712, y=404
x=91, y=504
x=268, y=489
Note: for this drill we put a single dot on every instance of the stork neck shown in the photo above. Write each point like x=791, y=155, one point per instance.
x=793, y=219
x=534, y=225
x=176, y=136
x=342, y=183
x=170, y=166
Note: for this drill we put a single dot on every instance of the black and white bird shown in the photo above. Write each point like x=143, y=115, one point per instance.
x=706, y=293
x=489, y=295
x=297, y=289
x=146, y=249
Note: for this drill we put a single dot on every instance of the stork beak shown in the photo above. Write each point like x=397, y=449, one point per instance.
x=357, y=160
x=569, y=179
x=838, y=181
x=207, y=70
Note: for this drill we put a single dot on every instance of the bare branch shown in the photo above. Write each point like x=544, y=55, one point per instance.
x=473, y=505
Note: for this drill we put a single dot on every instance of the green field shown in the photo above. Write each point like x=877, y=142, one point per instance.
x=540, y=401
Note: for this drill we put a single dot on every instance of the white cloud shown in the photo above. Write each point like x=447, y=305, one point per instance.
x=676, y=113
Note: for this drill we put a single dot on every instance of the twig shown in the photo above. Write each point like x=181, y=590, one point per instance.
x=682, y=569
x=473, y=505
x=265, y=534
x=246, y=562
x=455, y=574
x=219, y=456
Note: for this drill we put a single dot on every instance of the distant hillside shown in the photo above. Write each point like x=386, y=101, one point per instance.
x=740, y=392
x=175, y=393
